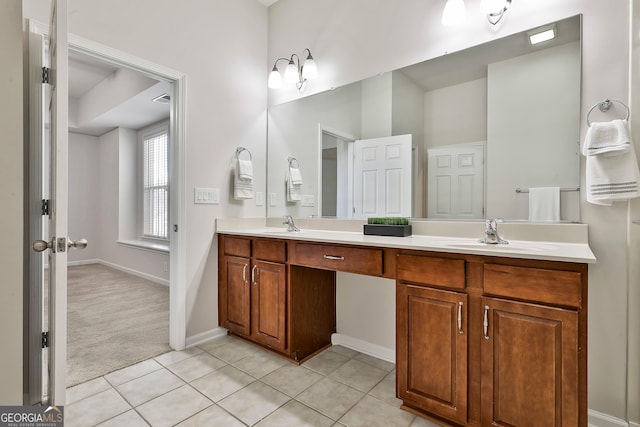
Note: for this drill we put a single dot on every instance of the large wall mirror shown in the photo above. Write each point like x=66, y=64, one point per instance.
x=462, y=136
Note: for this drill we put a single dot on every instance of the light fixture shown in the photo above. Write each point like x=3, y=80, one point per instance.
x=542, y=34
x=494, y=9
x=454, y=13
x=294, y=72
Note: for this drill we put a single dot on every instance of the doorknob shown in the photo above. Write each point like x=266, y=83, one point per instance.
x=41, y=245
x=78, y=244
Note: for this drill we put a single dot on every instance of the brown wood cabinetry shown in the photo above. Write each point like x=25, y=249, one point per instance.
x=503, y=347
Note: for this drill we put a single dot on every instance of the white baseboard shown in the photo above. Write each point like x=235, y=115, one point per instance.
x=83, y=262
x=375, y=350
x=149, y=277
x=598, y=419
x=205, y=336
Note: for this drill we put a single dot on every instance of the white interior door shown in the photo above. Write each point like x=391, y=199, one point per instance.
x=382, y=176
x=58, y=110
x=455, y=180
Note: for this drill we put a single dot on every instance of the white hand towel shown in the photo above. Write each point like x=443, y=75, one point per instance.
x=609, y=138
x=294, y=191
x=611, y=178
x=242, y=188
x=296, y=175
x=544, y=204
x=245, y=169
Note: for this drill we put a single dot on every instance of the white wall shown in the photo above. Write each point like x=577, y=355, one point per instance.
x=11, y=214
x=376, y=106
x=360, y=38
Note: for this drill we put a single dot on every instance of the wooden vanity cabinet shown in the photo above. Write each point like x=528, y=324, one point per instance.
x=486, y=341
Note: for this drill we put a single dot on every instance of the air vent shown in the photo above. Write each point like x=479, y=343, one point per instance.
x=162, y=99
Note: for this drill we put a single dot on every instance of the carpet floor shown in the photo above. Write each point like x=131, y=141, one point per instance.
x=114, y=319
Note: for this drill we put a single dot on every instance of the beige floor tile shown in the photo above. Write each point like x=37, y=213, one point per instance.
x=330, y=397
x=177, y=356
x=291, y=380
x=358, y=375
x=295, y=414
x=233, y=351
x=343, y=351
x=87, y=389
x=173, y=407
x=326, y=362
x=254, y=402
x=132, y=372
x=128, y=419
x=374, y=361
x=371, y=412
x=259, y=364
x=386, y=390
x=152, y=385
x=221, y=383
x=196, y=366
x=217, y=342
x=212, y=416
x=421, y=422
x=95, y=409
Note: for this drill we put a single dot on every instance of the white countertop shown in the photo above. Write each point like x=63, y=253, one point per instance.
x=527, y=249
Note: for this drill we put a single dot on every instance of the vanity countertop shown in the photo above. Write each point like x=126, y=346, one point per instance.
x=541, y=250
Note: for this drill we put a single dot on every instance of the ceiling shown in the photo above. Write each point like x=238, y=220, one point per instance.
x=103, y=97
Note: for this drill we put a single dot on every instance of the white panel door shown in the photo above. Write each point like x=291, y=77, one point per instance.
x=58, y=109
x=455, y=181
x=382, y=176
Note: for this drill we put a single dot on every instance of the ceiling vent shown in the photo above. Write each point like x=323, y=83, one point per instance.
x=162, y=99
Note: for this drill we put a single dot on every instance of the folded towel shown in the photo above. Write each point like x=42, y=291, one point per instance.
x=609, y=138
x=296, y=176
x=245, y=169
x=242, y=188
x=544, y=204
x=611, y=178
x=294, y=191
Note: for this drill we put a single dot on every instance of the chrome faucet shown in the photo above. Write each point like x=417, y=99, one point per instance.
x=288, y=220
x=491, y=236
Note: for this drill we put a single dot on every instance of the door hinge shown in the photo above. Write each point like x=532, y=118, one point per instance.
x=45, y=207
x=45, y=340
x=45, y=75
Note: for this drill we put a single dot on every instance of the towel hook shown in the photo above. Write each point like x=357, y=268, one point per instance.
x=605, y=106
x=291, y=160
x=239, y=150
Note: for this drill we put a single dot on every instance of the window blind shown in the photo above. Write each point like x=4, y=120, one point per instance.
x=156, y=186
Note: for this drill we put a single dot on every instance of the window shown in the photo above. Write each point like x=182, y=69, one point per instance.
x=155, y=185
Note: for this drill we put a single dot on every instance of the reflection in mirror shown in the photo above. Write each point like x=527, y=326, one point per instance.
x=481, y=123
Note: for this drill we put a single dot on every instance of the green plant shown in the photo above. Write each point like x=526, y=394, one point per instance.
x=389, y=221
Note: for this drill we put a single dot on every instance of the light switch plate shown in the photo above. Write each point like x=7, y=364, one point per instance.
x=308, y=200
x=259, y=198
x=206, y=196
x=272, y=199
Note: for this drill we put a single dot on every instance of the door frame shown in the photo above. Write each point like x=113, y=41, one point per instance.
x=177, y=178
x=350, y=139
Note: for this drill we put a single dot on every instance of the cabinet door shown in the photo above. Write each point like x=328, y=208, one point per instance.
x=268, y=304
x=432, y=350
x=529, y=365
x=238, y=295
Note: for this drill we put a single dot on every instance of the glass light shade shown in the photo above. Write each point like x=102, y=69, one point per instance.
x=454, y=13
x=309, y=69
x=275, y=79
x=492, y=6
x=291, y=73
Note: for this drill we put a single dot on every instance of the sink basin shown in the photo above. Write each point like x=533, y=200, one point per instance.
x=511, y=247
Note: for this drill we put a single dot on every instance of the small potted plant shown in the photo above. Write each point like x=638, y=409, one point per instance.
x=388, y=226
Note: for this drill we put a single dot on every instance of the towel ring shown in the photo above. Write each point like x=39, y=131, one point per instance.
x=604, y=106
x=239, y=150
x=291, y=160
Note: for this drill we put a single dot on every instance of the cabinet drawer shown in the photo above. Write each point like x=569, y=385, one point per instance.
x=534, y=284
x=237, y=246
x=270, y=250
x=338, y=258
x=432, y=271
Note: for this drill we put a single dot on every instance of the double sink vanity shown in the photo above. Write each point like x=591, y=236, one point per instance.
x=485, y=334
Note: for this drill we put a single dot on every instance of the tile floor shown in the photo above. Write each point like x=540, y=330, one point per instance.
x=228, y=382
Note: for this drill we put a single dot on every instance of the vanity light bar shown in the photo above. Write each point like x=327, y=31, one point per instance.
x=542, y=35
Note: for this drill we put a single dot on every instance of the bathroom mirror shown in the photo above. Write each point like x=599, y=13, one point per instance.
x=485, y=124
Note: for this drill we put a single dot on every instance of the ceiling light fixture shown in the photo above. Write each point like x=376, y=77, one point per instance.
x=454, y=13
x=294, y=72
x=494, y=9
x=542, y=34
